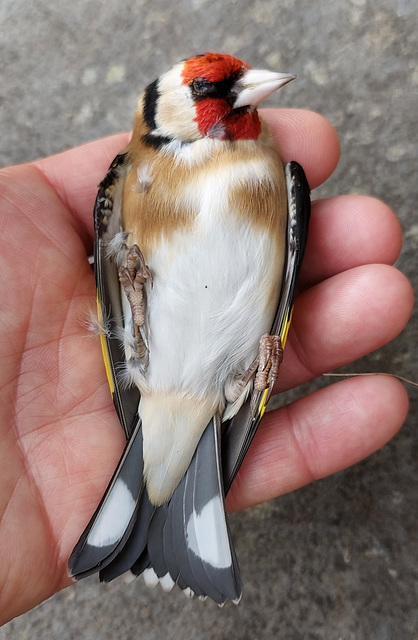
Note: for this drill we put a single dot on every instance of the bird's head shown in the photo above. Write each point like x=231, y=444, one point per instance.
x=212, y=95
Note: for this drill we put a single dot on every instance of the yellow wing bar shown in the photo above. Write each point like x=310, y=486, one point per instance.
x=105, y=350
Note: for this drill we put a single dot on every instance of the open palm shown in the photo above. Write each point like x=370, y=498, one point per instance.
x=59, y=435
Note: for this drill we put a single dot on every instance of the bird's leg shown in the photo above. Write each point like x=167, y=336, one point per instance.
x=265, y=367
x=270, y=356
x=236, y=386
x=132, y=278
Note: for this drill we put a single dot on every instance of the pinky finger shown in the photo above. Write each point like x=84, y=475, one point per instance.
x=318, y=435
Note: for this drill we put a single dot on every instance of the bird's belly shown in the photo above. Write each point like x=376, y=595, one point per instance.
x=214, y=293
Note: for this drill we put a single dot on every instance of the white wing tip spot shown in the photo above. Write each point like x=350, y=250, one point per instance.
x=116, y=513
x=207, y=535
x=150, y=578
x=167, y=582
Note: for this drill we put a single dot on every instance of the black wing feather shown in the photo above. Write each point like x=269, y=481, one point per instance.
x=135, y=547
x=109, y=305
x=91, y=553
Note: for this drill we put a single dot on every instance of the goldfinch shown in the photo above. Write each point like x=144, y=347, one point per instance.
x=199, y=236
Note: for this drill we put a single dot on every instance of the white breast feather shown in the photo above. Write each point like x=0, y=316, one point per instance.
x=210, y=300
x=214, y=295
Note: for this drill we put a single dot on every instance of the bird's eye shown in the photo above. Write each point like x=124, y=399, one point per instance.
x=202, y=87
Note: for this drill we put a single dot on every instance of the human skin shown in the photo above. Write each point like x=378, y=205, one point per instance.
x=60, y=438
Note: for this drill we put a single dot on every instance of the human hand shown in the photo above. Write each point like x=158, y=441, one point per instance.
x=60, y=439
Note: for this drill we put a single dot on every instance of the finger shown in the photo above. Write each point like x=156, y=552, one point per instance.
x=75, y=175
x=318, y=435
x=346, y=232
x=306, y=137
x=302, y=135
x=344, y=318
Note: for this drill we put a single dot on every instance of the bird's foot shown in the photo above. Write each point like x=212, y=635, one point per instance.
x=132, y=278
x=270, y=356
x=265, y=367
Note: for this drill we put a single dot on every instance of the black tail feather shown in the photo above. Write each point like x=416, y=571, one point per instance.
x=187, y=538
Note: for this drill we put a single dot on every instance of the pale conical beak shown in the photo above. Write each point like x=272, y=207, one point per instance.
x=256, y=84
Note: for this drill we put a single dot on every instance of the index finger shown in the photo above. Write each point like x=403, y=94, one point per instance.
x=75, y=175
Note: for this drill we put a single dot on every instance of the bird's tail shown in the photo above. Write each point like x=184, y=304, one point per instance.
x=186, y=541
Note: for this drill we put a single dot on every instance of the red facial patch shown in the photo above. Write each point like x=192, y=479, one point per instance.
x=212, y=66
x=215, y=117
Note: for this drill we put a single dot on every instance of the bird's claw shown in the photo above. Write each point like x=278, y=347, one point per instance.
x=270, y=356
x=132, y=278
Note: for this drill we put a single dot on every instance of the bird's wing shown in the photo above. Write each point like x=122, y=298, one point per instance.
x=107, y=223
x=111, y=524
x=240, y=430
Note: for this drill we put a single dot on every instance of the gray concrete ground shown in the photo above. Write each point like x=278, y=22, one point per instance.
x=338, y=559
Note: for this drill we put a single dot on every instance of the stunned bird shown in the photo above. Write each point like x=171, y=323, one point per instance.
x=199, y=236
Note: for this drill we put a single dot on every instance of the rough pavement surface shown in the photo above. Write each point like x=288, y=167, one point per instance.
x=337, y=560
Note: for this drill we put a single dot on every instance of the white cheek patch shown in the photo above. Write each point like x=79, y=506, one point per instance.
x=175, y=117
x=116, y=514
x=206, y=535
